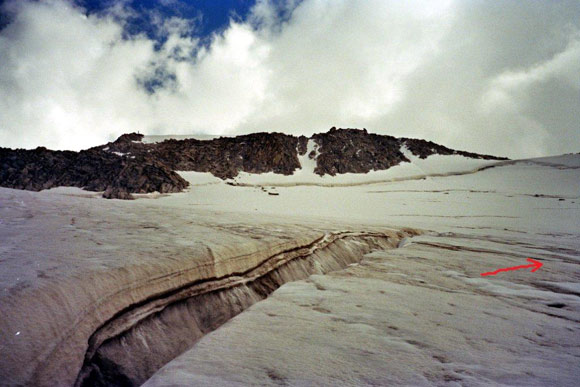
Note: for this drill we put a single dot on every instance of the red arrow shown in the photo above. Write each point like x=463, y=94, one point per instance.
x=535, y=264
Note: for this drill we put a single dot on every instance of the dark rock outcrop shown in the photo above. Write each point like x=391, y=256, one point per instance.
x=424, y=149
x=225, y=157
x=118, y=176
x=128, y=165
x=355, y=151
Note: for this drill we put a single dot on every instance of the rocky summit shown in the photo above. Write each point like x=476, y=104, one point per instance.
x=128, y=165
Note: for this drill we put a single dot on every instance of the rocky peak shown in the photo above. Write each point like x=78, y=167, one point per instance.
x=128, y=165
x=130, y=137
x=355, y=151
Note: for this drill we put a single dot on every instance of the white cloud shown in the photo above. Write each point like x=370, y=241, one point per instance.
x=67, y=81
x=344, y=63
x=482, y=76
x=512, y=87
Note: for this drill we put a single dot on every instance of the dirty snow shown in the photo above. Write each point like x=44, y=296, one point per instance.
x=417, y=315
x=420, y=314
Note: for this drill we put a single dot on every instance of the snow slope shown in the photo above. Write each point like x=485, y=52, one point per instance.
x=419, y=314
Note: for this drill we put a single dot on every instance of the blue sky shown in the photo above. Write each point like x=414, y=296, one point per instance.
x=479, y=75
x=210, y=15
x=206, y=18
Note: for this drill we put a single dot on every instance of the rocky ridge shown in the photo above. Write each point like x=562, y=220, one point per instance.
x=128, y=165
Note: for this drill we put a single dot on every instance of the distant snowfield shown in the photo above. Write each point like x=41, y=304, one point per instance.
x=420, y=314
x=417, y=168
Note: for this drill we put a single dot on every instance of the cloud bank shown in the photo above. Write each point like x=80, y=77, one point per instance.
x=484, y=76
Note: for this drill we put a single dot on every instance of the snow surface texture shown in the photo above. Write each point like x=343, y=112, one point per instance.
x=420, y=314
